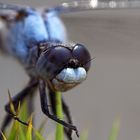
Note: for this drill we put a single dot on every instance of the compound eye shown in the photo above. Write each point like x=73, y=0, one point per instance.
x=82, y=55
x=59, y=56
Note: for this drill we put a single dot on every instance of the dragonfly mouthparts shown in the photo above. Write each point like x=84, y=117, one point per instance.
x=69, y=78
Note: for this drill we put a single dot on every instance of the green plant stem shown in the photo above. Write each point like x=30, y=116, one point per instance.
x=115, y=129
x=59, y=113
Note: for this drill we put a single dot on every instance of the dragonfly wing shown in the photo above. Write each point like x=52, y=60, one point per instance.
x=12, y=12
x=8, y=16
x=13, y=7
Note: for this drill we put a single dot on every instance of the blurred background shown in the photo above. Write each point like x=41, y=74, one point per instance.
x=113, y=84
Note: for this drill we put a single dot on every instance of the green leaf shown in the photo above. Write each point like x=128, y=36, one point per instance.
x=38, y=136
x=84, y=135
x=21, y=133
x=14, y=130
x=115, y=129
x=29, y=129
x=24, y=109
x=41, y=127
x=12, y=109
x=4, y=138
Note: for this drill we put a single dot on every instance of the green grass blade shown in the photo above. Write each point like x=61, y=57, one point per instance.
x=24, y=109
x=42, y=125
x=84, y=135
x=115, y=129
x=59, y=113
x=38, y=136
x=38, y=132
x=14, y=130
x=12, y=109
x=4, y=138
x=29, y=130
x=21, y=133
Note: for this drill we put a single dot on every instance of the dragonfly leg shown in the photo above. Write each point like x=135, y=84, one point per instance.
x=46, y=111
x=66, y=111
x=29, y=89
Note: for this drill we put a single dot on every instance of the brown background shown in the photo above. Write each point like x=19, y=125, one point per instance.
x=113, y=83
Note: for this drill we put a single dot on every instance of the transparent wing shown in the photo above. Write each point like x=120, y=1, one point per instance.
x=82, y=5
x=4, y=6
x=9, y=12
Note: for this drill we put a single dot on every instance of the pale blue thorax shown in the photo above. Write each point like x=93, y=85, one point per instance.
x=23, y=34
x=31, y=30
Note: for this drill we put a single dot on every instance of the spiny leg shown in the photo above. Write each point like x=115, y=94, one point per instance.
x=46, y=111
x=29, y=89
x=65, y=109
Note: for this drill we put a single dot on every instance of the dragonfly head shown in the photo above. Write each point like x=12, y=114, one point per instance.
x=64, y=65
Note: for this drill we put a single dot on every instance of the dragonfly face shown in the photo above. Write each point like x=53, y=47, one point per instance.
x=64, y=65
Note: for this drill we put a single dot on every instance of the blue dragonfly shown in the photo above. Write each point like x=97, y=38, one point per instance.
x=38, y=40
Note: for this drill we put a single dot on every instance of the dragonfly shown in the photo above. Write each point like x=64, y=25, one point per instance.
x=38, y=40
